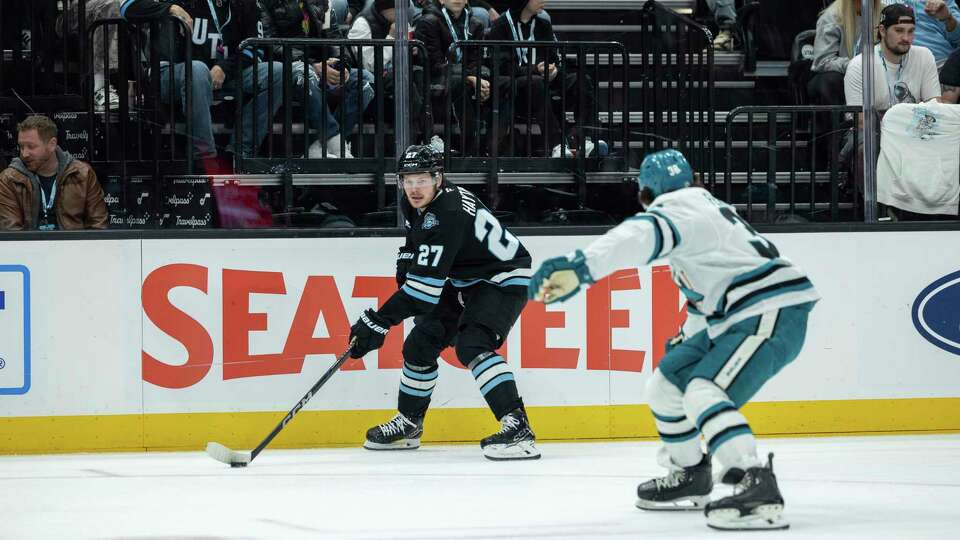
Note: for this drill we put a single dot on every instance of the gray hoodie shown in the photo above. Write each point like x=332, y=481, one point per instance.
x=64, y=159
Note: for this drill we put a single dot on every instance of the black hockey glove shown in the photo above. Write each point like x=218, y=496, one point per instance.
x=404, y=262
x=367, y=334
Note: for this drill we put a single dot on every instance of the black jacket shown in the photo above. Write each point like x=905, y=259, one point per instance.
x=454, y=238
x=435, y=34
x=500, y=30
x=216, y=35
x=284, y=19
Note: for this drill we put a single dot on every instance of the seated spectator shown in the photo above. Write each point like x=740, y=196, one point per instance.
x=950, y=79
x=903, y=73
x=343, y=87
x=837, y=41
x=438, y=29
x=523, y=23
x=919, y=165
x=46, y=188
x=725, y=15
x=936, y=26
x=479, y=10
x=96, y=10
x=217, y=27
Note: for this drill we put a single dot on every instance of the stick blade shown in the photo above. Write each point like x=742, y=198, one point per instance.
x=223, y=454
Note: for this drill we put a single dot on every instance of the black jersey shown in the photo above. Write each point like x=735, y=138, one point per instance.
x=455, y=239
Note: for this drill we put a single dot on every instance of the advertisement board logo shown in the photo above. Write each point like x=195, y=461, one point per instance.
x=14, y=329
x=935, y=313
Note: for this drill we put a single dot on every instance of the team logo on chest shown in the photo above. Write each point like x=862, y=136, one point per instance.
x=430, y=221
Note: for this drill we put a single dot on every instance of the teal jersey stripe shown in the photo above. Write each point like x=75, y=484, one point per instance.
x=658, y=236
x=673, y=228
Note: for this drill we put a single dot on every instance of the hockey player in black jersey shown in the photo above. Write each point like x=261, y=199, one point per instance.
x=464, y=277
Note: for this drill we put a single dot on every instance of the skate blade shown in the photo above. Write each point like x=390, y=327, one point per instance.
x=764, y=517
x=685, y=504
x=510, y=452
x=402, y=444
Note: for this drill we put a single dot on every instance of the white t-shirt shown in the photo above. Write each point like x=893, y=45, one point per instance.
x=919, y=165
x=914, y=80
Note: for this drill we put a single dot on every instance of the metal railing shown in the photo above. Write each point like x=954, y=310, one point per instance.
x=496, y=134
x=802, y=172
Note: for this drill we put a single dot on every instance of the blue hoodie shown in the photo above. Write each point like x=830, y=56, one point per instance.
x=932, y=33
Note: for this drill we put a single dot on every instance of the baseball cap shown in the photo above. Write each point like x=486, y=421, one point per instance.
x=895, y=14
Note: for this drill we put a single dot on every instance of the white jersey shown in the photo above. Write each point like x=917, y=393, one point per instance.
x=726, y=270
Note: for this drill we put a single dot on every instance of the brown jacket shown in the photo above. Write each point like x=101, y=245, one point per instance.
x=79, y=201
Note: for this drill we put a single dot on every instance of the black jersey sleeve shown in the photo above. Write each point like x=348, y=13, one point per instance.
x=435, y=243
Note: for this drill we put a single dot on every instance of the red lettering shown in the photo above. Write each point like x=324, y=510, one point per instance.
x=534, y=353
x=667, y=319
x=390, y=356
x=238, y=322
x=602, y=319
x=176, y=324
x=320, y=297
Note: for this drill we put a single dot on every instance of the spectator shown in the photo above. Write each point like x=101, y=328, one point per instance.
x=438, y=29
x=522, y=22
x=903, y=73
x=46, y=188
x=342, y=86
x=103, y=96
x=376, y=21
x=218, y=27
x=837, y=41
x=937, y=27
x=725, y=14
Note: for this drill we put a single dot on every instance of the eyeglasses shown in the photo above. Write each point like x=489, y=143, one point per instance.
x=418, y=182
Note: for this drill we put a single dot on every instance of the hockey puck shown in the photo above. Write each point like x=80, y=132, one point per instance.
x=238, y=464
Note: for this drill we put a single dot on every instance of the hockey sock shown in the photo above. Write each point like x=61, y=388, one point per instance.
x=724, y=428
x=416, y=387
x=496, y=383
x=681, y=439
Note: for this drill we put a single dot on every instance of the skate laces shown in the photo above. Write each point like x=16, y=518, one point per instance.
x=671, y=480
x=508, y=422
x=395, y=426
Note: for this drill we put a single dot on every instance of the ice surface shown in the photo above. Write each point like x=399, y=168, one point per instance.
x=855, y=488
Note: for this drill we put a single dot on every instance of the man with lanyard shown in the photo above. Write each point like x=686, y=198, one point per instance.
x=902, y=72
x=46, y=188
x=523, y=22
x=438, y=29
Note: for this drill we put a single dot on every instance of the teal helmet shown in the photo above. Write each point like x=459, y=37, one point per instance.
x=663, y=172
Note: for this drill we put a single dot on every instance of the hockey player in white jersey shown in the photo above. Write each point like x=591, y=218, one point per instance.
x=747, y=310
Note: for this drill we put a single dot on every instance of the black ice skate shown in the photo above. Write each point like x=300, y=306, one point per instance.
x=686, y=488
x=515, y=440
x=755, y=504
x=400, y=433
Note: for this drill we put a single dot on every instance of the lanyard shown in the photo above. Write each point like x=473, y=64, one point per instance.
x=453, y=31
x=216, y=19
x=47, y=205
x=891, y=88
x=518, y=36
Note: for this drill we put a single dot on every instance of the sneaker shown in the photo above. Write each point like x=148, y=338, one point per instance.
x=684, y=488
x=588, y=147
x=400, y=433
x=100, y=98
x=316, y=152
x=755, y=504
x=567, y=153
x=333, y=148
x=515, y=440
x=725, y=41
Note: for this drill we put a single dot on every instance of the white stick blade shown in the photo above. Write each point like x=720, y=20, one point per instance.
x=223, y=454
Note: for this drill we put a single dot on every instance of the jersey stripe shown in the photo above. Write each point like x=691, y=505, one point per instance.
x=426, y=280
x=759, y=295
x=426, y=289
x=673, y=228
x=419, y=295
x=657, y=235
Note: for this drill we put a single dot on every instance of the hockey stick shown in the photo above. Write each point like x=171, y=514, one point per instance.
x=233, y=458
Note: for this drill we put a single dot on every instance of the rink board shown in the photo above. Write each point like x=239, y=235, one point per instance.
x=163, y=344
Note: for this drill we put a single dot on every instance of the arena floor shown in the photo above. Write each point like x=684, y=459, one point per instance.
x=850, y=488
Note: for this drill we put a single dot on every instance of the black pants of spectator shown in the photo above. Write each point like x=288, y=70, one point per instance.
x=569, y=95
x=475, y=119
x=532, y=104
x=826, y=88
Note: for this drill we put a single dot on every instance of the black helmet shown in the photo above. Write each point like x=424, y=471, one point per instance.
x=420, y=158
